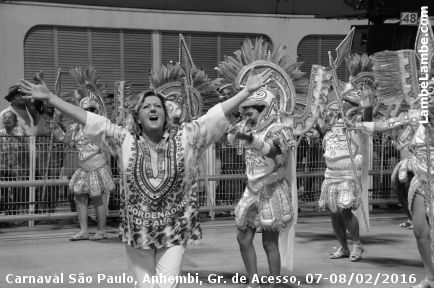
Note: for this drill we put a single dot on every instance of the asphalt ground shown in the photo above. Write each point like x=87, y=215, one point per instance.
x=44, y=252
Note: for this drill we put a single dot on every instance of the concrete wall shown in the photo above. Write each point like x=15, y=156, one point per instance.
x=16, y=18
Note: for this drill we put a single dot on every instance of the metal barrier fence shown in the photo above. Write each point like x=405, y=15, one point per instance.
x=310, y=173
x=35, y=172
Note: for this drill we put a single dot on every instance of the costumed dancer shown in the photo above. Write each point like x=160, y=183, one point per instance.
x=395, y=97
x=159, y=208
x=405, y=86
x=269, y=202
x=420, y=202
x=344, y=191
x=93, y=179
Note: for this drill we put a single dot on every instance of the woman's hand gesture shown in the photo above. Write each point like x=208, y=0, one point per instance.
x=255, y=82
x=35, y=91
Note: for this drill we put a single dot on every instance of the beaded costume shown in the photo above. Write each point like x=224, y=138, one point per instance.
x=410, y=89
x=270, y=199
x=93, y=177
x=343, y=186
x=266, y=202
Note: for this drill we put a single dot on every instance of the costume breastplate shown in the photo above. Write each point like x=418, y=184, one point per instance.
x=336, y=146
x=84, y=146
x=258, y=166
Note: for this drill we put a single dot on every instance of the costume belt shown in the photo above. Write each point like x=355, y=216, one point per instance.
x=345, y=173
x=268, y=181
x=94, y=162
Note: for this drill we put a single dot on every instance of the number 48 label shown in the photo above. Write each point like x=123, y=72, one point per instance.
x=408, y=18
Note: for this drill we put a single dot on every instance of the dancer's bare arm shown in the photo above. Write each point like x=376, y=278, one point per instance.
x=253, y=83
x=41, y=92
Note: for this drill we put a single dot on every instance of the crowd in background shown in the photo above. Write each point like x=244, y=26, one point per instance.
x=54, y=159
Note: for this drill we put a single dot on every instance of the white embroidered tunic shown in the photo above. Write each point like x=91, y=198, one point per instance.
x=159, y=202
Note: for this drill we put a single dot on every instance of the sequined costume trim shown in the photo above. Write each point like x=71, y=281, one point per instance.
x=340, y=190
x=266, y=203
x=267, y=209
x=94, y=182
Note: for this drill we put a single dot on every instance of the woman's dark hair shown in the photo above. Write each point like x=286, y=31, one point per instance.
x=142, y=96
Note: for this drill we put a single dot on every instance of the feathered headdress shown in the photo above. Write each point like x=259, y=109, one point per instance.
x=187, y=89
x=278, y=95
x=286, y=72
x=300, y=98
x=90, y=91
x=361, y=74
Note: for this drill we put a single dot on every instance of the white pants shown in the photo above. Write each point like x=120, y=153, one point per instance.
x=162, y=263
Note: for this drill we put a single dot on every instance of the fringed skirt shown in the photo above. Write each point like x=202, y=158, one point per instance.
x=340, y=190
x=93, y=182
x=268, y=208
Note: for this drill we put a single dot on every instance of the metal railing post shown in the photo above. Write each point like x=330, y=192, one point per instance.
x=210, y=185
x=32, y=189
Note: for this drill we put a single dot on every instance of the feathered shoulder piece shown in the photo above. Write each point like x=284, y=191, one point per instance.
x=396, y=76
x=398, y=72
x=358, y=63
x=187, y=89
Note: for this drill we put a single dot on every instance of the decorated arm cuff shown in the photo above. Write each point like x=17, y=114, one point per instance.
x=366, y=127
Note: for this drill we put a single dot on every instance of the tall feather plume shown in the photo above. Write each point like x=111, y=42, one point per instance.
x=165, y=74
x=172, y=72
x=396, y=77
x=88, y=82
x=249, y=53
x=206, y=88
x=86, y=78
x=357, y=63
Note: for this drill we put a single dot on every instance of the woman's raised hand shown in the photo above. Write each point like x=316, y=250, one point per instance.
x=255, y=82
x=35, y=91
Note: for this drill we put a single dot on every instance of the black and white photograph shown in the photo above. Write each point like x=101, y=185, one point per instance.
x=216, y=143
